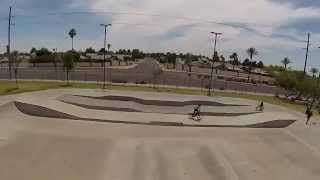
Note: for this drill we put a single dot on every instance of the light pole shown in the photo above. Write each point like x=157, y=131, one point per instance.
x=104, y=53
x=214, y=56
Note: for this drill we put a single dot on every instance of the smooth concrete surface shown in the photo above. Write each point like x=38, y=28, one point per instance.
x=34, y=148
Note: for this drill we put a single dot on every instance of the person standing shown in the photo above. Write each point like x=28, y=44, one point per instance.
x=260, y=107
x=309, y=114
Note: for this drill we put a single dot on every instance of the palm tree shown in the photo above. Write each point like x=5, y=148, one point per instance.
x=314, y=71
x=251, y=52
x=235, y=59
x=72, y=34
x=285, y=62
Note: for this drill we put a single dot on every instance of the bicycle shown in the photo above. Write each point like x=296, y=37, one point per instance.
x=194, y=117
x=260, y=108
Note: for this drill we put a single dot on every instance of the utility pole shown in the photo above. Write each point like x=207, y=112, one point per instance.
x=9, y=44
x=214, y=57
x=104, y=53
x=307, y=53
x=54, y=58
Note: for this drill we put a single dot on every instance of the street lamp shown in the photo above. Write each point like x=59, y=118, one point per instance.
x=104, y=53
x=214, y=56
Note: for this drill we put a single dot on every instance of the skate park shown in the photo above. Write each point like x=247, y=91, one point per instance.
x=106, y=134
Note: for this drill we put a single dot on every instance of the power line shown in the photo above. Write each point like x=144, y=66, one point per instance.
x=214, y=58
x=104, y=53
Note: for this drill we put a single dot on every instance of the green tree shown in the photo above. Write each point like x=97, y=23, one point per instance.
x=246, y=62
x=235, y=60
x=69, y=62
x=314, y=71
x=172, y=57
x=286, y=61
x=136, y=54
x=72, y=33
x=33, y=50
x=260, y=65
x=43, y=52
x=251, y=52
x=90, y=50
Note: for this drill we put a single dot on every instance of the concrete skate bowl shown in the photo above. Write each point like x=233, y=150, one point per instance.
x=133, y=104
x=40, y=111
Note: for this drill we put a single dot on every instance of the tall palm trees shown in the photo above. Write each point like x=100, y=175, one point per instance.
x=251, y=52
x=286, y=61
x=68, y=60
x=314, y=71
x=72, y=33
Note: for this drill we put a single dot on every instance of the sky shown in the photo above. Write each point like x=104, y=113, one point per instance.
x=277, y=28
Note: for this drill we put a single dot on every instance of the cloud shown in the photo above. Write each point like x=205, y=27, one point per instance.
x=299, y=3
x=176, y=32
x=304, y=25
x=168, y=25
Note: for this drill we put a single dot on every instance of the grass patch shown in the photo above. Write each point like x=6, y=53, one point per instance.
x=9, y=87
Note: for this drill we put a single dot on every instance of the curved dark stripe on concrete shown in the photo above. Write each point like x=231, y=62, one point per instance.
x=106, y=108
x=159, y=102
x=34, y=110
x=273, y=124
x=39, y=111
